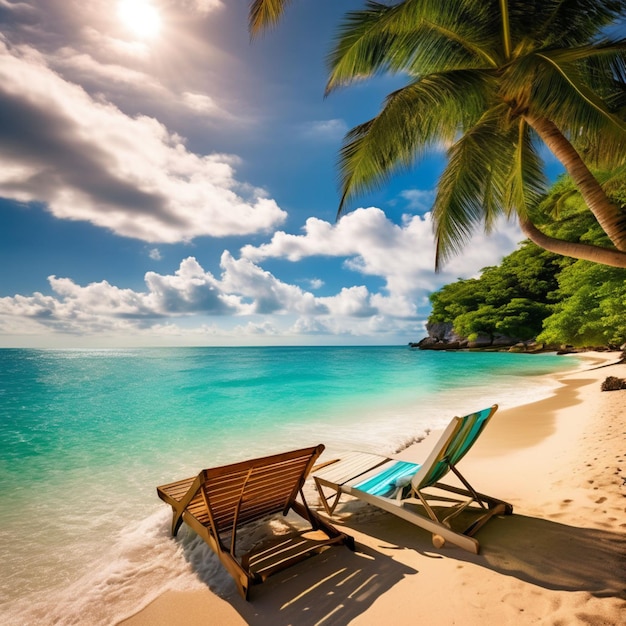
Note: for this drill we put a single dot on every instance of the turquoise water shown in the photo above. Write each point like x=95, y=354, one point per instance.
x=86, y=435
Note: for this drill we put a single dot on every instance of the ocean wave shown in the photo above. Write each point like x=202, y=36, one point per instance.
x=126, y=576
x=143, y=563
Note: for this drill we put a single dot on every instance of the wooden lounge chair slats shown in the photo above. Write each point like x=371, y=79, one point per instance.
x=417, y=493
x=219, y=501
x=352, y=465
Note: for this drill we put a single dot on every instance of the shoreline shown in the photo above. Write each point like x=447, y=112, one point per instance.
x=560, y=558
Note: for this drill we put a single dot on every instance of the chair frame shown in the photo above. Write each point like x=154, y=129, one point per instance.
x=219, y=501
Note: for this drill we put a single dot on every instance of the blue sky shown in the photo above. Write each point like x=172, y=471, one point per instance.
x=166, y=181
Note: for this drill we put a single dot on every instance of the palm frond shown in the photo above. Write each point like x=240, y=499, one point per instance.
x=415, y=36
x=264, y=14
x=424, y=114
x=595, y=74
x=556, y=23
x=606, y=47
x=545, y=84
x=527, y=183
x=601, y=66
x=487, y=175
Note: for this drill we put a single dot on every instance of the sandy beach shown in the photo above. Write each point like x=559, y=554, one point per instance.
x=559, y=559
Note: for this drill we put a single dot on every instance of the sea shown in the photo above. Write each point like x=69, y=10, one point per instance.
x=87, y=435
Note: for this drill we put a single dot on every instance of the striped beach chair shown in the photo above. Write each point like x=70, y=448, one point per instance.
x=415, y=492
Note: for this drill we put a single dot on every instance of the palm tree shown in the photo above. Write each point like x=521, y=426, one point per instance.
x=490, y=80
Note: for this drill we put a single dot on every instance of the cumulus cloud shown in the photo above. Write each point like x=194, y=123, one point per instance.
x=204, y=105
x=89, y=161
x=242, y=289
x=351, y=301
x=267, y=293
x=403, y=255
x=190, y=290
x=369, y=242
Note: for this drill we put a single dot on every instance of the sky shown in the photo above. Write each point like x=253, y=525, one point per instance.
x=166, y=180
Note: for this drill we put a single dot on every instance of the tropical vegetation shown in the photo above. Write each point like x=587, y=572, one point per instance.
x=494, y=82
x=536, y=294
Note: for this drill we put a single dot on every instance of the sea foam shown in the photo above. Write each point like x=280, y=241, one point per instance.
x=128, y=574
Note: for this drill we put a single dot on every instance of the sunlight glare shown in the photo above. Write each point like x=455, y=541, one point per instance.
x=139, y=16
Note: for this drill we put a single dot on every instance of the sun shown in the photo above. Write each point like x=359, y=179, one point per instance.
x=140, y=17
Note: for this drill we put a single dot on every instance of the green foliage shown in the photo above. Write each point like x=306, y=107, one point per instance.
x=592, y=307
x=511, y=299
x=482, y=320
x=520, y=318
x=562, y=213
x=534, y=293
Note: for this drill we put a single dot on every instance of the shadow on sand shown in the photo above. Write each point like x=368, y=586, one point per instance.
x=331, y=588
x=557, y=556
x=538, y=551
x=337, y=585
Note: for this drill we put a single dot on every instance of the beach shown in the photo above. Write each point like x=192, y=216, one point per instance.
x=559, y=559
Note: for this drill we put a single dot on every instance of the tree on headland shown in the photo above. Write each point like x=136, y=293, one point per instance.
x=510, y=299
x=536, y=294
x=491, y=80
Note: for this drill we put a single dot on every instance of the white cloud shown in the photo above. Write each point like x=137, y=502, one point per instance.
x=268, y=306
x=190, y=290
x=155, y=254
x=325, y=130
x=262, y=329
x=203, y=104
x=351, y=301
x=203, y=6
x=89, y=161
x=108, y=46
x=85, y=68
x=402, y=255
x=310, y=326
x=243, y=289
x=419, y=199
x=268, y=294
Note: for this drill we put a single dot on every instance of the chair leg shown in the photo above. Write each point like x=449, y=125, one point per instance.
x=328, y=502
x=500, y=509
x=177, y=520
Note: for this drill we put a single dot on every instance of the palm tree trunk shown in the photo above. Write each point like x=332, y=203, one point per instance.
x=583, y=251
x=609, y=216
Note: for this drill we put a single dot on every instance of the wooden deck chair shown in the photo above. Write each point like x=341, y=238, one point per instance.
x=414, y=491
x=219, y=501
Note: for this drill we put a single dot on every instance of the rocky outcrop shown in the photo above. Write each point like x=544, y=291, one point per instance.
x=431, y=343
x=613, y=383
x=441, y=336
x=442, y=332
